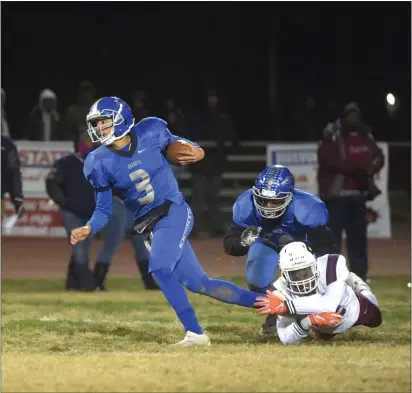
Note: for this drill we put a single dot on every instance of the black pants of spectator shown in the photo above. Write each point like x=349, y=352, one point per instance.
x=348, y=213
x=206, y=192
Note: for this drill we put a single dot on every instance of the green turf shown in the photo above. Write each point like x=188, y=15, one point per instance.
x=41, y=323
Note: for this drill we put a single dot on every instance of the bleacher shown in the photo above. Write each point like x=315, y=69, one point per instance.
x=250, y=158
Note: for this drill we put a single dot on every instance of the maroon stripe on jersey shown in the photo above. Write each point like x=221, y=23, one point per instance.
x=331, y=268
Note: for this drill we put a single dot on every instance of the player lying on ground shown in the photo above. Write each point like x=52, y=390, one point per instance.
x=269, y=215
x=132, y=159
x=320, y=295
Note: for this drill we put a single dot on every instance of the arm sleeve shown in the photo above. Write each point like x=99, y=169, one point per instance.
x=54, y=184
x=331, y=161
x=322, y=240
x=102, y=192
x=327, y=302
x=378, y=157
x=13, y=163
x=290, y=330
x=231, y=241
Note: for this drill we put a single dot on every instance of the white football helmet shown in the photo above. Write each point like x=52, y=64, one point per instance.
x=298, y=267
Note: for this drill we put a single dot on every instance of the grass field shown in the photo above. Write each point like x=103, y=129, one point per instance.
x=55, y=341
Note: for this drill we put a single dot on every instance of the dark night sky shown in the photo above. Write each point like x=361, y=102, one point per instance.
x=353, y=50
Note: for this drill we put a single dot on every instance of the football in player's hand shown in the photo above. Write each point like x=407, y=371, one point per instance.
x=176, y=150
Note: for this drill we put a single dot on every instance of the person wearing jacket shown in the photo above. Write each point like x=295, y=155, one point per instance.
x=69, y=189
x=11, y=181
x=348, y=158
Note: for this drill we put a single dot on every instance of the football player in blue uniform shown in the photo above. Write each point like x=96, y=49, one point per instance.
x=268, y=216
x=132, y=159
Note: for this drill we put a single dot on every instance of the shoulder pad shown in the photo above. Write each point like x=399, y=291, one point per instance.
x=152, y=123
x=243, y=210
x=310, y=211
x=150, y=128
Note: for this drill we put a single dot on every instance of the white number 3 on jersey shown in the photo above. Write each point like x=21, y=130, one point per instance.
x=143, y=184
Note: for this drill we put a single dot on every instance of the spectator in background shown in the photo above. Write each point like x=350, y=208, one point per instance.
x=332, y=110
x=4, y=124
x=139, y=105
x=307, y=120
x=75, y=116
x=11, y=182
x=216, y=126
x=174, y=117
x=69, y=189
x=44, y=120
x=348, y=159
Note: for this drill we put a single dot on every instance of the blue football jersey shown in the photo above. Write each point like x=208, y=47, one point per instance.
x=142, y=176
x=304, y=212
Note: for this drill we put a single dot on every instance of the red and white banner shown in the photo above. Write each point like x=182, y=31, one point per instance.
x=41, y=217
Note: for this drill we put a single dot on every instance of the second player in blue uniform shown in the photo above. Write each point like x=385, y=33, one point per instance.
x=269, y=215
x=133, y=160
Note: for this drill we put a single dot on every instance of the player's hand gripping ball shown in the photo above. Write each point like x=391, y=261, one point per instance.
x=182, y=153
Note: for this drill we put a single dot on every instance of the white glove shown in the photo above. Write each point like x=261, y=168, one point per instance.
x=249, y=235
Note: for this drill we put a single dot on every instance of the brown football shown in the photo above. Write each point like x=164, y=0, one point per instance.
x=175, y=149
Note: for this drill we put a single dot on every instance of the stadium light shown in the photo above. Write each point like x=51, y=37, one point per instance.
x=390, y=99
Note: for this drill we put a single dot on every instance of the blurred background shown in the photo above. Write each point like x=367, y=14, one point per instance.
x=275, y=72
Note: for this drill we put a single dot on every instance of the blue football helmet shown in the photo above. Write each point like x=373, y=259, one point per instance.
x=273, y=191
x=108, y=120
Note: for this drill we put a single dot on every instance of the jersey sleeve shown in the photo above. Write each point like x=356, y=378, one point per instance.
x=290, y=330
x=312, y=214
x=94, y=173
x=333, y=296
x=158, y=129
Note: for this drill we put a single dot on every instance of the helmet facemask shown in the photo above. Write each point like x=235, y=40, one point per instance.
x=98, y=128
x=269, y=204
x=304, y=280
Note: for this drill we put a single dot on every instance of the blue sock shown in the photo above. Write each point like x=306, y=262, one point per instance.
x=228, y=292
x=177, y=298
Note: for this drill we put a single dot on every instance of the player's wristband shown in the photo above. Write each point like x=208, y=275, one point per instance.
x=300, y=329
x=290, y=307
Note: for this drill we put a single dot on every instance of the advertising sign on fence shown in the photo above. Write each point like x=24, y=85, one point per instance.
x=41, y=217
x=301, y=159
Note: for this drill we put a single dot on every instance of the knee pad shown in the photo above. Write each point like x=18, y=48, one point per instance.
x=162, y=275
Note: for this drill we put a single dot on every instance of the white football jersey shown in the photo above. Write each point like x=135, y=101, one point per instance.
x=333, y=294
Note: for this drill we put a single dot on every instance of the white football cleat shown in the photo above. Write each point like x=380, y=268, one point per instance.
x=194, y=339
x=356, y=283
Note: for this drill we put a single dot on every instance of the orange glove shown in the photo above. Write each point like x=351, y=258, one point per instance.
x=270, y=304
x=325, y=319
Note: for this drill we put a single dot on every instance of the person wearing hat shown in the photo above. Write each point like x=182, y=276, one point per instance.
x=348, y=159
x=212, y=125
x=44, y=121
x=74, y=122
